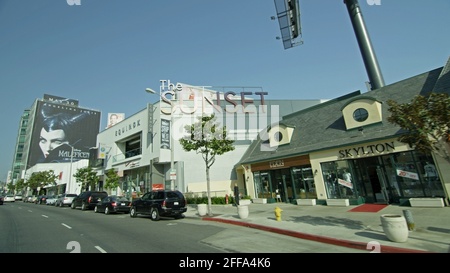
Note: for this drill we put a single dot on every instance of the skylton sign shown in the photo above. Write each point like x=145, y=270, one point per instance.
x=371, y=149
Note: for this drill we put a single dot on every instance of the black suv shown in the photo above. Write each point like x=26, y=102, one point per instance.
x=88, y=199
x=159, y=203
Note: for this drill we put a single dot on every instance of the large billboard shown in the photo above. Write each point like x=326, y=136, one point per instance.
x=58, y=128
x=114, y=118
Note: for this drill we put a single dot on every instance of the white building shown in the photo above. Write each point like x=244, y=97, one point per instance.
x=139, y=147
x=64, y=171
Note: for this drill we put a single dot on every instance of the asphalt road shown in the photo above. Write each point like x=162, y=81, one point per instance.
x=31, y=228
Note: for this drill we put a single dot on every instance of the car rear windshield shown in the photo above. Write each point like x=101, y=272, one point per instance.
x=99, y=194
x=172, y=194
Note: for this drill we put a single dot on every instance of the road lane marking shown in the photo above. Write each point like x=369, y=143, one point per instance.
x=69, y=227
x=100, y=249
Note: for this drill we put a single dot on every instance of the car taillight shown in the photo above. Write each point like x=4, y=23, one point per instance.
x=163, y=203
x=114, y=204
x=89, y=199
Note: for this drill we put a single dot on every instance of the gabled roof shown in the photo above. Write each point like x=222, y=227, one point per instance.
x=322, y=126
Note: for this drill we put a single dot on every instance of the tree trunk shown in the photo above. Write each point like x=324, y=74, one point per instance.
x=208, y=189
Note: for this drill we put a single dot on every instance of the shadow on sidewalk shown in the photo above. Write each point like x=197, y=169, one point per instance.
x=327, y=221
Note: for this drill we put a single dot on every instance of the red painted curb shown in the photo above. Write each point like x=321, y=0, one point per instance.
x=317, y=238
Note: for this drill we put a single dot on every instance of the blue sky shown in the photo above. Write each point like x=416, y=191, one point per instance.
x=104, y=53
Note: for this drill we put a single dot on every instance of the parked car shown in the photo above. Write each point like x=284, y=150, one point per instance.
x=88, y=199
x=51, y=199
x=9, y=198
x=33, y=199
x=113, y=204
x=27, y=199
x=65, y=199
x=18, y=197
x=41, y=200
x=157, y=203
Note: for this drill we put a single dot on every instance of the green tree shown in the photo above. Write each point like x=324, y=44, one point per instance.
x=33, y=182
x=87, y=177
x=426, y=121
x=41, y=180
x=20, y=185
x=207, y=138
x=10, y=186
x=112, y=179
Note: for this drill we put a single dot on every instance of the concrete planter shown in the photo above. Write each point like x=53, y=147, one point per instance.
x=243, y=211
x=306, y=202
x=395, y=227
x=260, y=200
x=338, y=202
x=427, y=202
x=202, y=209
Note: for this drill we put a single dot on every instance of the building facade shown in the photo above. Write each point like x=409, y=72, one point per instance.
x=18, y=165
x=143, y=147
x=346, y=149
x=55, y=130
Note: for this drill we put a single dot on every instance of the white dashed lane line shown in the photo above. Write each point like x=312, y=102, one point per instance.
x=69, y=227
x=100, y=249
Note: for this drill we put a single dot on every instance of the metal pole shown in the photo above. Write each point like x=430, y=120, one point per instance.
x=105, y=163
x=409, y=219
x=367, y=52
x=172, y=181
x=150, y=182
x=70, y=171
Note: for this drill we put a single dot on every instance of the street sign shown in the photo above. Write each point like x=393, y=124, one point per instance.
x=173, y=174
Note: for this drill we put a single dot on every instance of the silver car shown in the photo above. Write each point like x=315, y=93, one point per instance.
x=9, y=198
x=51, y=199
x=65, y=199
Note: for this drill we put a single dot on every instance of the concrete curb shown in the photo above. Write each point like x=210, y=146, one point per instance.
x=317, y=238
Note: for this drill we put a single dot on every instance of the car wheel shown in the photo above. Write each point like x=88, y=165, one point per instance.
x=83, y=206
x=107, y=210
x=95, y=209
x=154, y=214
x=133, y=213
x=72, y=206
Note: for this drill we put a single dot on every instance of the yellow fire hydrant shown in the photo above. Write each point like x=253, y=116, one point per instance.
x=278, y=213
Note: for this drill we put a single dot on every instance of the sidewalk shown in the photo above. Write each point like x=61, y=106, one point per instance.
x=336, y=225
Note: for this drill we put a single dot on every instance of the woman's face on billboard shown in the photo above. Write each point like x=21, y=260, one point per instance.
x=51, y=140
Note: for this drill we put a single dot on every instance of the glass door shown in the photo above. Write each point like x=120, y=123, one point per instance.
x=282, y=185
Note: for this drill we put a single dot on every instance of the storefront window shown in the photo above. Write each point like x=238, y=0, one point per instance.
x=431, y=181
x=262, y=185
x=338, y=180
x=407, y=175
x=417, y=175
x=304, y=185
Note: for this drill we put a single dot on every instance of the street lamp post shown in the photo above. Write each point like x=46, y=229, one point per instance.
x=70, y=170
x=172, y=171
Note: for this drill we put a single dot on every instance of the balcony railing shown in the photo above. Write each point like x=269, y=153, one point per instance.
x=127, y=154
